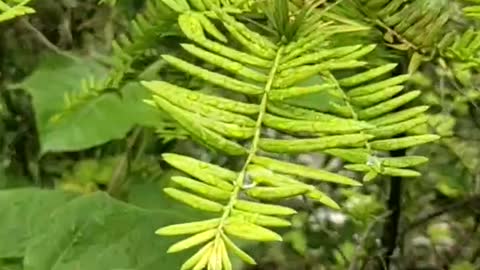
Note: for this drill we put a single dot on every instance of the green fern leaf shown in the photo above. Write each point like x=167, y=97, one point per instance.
x=273, y=71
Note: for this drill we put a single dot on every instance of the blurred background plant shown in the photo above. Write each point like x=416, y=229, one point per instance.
x=73, y=122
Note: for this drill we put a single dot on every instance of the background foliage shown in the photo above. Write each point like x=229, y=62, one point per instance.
x=81, y=173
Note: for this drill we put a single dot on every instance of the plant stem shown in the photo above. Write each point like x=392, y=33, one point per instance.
x=391, y=226
x=254, y=147
x=121, y=168
x=41, y=38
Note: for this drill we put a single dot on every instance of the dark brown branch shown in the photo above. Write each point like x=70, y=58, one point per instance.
x=41, y=38
x=391, y=227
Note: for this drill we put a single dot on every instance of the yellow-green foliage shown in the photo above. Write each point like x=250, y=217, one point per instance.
x=367, y=117
x=12, y=9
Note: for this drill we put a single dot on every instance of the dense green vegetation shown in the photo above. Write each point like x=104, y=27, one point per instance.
x=239, y=134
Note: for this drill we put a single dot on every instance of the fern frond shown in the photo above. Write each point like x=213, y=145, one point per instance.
x=274, y=74
x=15, y=9
x=142, y=36
x=372, y=98
x=403, y=21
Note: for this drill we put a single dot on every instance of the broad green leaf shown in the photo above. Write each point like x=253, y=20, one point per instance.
x=133, y=95
x=11, y=264
x=23, y=211
x=93, y=122
x=96, y=232
x=9, y=180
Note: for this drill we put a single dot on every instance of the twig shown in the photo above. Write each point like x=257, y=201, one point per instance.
x=473, y=200
x=41, y=38
x=391, y=227
x=122, y=166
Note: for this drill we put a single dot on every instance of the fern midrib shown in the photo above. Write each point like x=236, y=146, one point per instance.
x=351, y=109
x=254, y=147
x=380, y=23
x=396, y=34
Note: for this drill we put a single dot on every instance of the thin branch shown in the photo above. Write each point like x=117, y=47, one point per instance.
x=41, y=37
x=391, y=228
x=468, y=202
x=121, y=168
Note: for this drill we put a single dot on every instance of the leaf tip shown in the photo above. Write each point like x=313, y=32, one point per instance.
x=160, y=231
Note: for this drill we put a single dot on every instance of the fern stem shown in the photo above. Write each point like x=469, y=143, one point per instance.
x=350, y=108
x=396, y=34
x=254, y=147
x=381, y=24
